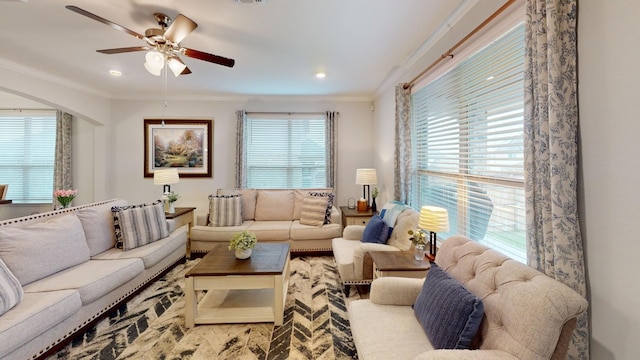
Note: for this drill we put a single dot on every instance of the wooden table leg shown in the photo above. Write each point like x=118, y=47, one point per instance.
x=190, y=303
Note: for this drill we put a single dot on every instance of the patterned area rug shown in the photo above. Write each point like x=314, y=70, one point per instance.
x=151, y=325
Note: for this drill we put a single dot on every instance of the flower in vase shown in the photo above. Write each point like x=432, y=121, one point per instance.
x=173, y=197
x=243, y=240
x=65, y=197
x=417, y=237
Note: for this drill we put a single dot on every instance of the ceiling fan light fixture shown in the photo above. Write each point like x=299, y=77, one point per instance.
x=176, y=66
x=153, y=70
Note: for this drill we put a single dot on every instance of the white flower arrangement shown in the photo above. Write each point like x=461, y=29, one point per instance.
x=243, y=240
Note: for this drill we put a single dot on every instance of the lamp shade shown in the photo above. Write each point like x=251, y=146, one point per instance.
x=166, y=176
x=176, y=66
x=434, y=219
x=366, y=177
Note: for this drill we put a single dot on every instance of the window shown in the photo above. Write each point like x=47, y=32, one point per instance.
x=467, y=136
x=286, y=151
x=27, y=153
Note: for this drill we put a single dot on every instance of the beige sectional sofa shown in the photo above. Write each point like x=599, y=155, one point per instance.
x=527, y=315
x=70, y=273
x=274, y=216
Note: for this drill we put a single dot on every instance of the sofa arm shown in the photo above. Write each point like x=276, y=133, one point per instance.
x=353, y=232
x=363, y=264
x=336, y=216
x=395, y=291
x=466, y=355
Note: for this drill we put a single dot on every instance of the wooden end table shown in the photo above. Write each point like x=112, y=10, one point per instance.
x=183, y=216
x=398, y=263
x=238, y=291
x=355, y=217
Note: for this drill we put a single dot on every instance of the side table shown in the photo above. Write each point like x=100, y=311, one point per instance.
x=398, y=263
x=183, y=216
x=355, y=217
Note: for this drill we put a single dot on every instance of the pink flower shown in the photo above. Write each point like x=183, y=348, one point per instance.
x=65, y=197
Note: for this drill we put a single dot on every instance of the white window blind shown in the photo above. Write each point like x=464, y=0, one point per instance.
x=467, y=138
x=286, y=151
x=27, y=153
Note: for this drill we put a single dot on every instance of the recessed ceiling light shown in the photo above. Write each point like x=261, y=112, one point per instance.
x=115, y=73
x=321, y=75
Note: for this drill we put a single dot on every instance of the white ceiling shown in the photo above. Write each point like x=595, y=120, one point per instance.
x=278, y=46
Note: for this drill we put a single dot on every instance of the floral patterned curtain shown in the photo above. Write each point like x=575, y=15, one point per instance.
x=332, y=147
x=402, y=160
x=241, y=171
x=62, y=174
x=554, y=243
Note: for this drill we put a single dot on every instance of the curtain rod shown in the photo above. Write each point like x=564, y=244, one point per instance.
x=449, y=53
x=287, y=113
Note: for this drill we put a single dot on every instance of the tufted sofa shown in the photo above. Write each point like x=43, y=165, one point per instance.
x=527, y=315
x=274, y=215
x=70, y=273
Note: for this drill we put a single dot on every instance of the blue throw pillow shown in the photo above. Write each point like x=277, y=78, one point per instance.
x=376, y=231
x=449, y=314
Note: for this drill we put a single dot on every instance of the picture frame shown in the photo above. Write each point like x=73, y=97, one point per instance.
x=184, y=144
x=3, y=191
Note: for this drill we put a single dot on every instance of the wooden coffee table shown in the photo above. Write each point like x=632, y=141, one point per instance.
x=238, y=291
x=398, y=263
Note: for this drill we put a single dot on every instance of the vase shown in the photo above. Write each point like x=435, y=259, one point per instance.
x=172, y=208
x=243, y=253
x=419, y=252
x=374, y=207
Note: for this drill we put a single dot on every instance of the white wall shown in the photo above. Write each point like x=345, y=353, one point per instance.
x=609, y=130
x=355, y=145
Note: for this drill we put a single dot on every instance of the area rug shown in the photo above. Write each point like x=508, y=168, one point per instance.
x=151, y=325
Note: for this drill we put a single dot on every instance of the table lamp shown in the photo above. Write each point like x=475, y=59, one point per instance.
x=366, y=177
x=166, y=177
x=433, y=219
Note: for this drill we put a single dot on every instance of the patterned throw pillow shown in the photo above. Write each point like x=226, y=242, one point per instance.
x=329, y=195
x=449, y=314
x=137, y=225
x=225, y=210
x=11, y=292
x=314, y=209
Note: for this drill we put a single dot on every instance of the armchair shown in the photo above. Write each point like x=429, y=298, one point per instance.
x=352, y=255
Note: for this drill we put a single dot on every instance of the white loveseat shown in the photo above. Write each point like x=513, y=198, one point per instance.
x=527, y=315
x=71, y=273
x=274, y=216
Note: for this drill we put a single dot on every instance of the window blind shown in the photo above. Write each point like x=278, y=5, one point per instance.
x=286, y=151
x=27, y=153
x=467, y=136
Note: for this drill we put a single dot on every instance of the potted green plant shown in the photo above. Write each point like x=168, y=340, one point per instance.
x=171, y=199
x=243, y=242
x=419, y=240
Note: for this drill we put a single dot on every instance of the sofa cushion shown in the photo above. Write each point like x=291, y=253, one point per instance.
x=271, y=230
x=225, y=210
x=314, y=209
x=248, y=200
x=376, y=231
x=151, y=254
x=97, y=223
x=49, y=247
x=407, y=220
x=35, y=314
x=274, y=205
x=449, y=314
x=137, y=225
x=330, y=196
x=11, y=292
x=92, y=279
x=300, y=194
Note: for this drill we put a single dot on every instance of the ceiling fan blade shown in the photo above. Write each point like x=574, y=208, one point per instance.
x=123, y=50
x=180, y=28
x=208, y=57
x=104, y=21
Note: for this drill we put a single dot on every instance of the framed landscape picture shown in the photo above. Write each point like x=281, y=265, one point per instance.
x=182, y=144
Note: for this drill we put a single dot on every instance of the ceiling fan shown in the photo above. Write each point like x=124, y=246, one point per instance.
x=163, y=44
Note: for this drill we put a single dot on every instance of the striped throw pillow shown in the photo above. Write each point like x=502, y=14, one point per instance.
x=11, y=292
x=137, y=225
x=225, y=210
x=330, y=196
x=314, y=209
